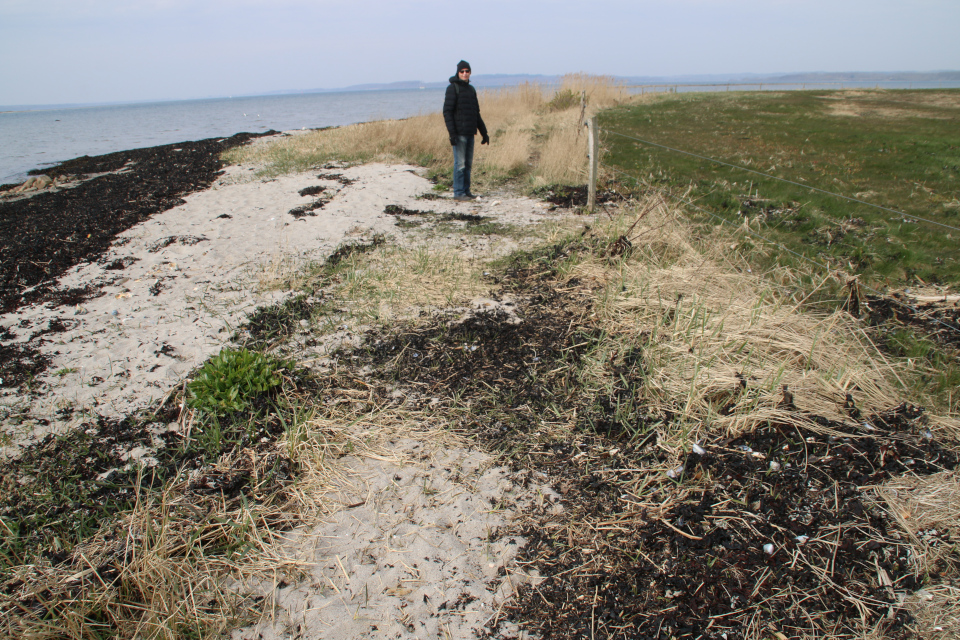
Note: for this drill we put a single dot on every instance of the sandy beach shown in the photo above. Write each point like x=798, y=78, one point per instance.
x=170, y=291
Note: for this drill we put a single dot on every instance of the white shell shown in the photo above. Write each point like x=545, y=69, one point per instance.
x=768, y=549
x=697, y=449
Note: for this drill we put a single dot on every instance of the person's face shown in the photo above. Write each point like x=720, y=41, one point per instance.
x=465, y=74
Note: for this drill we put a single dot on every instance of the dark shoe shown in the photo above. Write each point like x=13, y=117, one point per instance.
x=463, y=198
x=472, y=196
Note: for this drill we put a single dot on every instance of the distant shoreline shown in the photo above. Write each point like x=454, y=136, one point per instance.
x=491, y=81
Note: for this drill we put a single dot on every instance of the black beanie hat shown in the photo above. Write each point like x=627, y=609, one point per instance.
x=463, y=64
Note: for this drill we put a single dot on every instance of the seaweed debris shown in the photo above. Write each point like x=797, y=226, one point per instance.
x=44, y=235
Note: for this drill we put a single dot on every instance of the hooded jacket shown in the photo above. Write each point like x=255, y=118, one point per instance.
x=461, y=110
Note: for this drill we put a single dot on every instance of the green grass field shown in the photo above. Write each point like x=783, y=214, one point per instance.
x=893, y=148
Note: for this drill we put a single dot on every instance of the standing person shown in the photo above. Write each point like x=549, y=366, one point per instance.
x=461, y=112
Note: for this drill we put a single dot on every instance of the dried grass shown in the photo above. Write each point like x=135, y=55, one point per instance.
x=927, y=510
x=920, y=506
x=399, y=282
x=161, y=571
x=725, y=350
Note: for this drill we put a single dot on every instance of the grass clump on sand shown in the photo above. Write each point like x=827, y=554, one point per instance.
x=892, y=148
x=536, y=137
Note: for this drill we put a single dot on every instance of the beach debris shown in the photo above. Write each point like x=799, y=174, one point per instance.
x=186, y=241
x=312, y=191
x=697, y=449
x=35, y=183
x=768, y=549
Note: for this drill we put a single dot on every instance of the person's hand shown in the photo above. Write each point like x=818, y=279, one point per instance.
x=485, y=139
x=453, y=141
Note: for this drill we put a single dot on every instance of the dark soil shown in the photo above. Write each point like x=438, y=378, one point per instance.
x=43, y=236
x=567, y=196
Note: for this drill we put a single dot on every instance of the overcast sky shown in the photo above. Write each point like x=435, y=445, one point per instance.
x=71, y=51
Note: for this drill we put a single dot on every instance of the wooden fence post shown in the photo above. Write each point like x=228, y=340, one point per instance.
x=593, y=147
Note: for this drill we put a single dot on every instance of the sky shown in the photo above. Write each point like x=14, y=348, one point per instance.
x=88, y=51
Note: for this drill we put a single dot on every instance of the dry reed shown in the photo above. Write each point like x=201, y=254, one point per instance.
x=528, y=137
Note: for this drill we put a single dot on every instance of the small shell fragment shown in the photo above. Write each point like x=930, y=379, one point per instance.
x=802, y=539
x=697, y=449
x=774, y=465
x=768, y=549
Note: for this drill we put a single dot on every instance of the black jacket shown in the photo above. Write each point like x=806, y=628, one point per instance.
x=461, y=110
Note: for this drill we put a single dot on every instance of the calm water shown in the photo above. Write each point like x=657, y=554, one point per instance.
x=37, y=139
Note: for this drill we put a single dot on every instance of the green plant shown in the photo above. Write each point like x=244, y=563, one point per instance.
x=563, y=100
x=230, y=381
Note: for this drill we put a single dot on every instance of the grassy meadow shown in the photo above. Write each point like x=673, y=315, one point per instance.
x=897, y=149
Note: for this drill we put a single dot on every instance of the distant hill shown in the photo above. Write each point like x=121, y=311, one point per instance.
x=947, y=78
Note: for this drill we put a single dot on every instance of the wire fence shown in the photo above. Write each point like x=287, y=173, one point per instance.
x=747, y=230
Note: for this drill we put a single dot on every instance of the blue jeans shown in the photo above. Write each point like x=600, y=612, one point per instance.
x=462, y=164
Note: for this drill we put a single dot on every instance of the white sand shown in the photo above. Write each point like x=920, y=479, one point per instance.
x=417, y=552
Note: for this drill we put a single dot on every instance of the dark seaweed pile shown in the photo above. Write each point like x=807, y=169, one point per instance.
x=65, y=486
x=701, y=570
x=574, y=196
x=42, y=236
x=937, y=321
x=397, y=210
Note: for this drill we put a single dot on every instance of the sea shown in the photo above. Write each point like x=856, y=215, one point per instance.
x=41, y=138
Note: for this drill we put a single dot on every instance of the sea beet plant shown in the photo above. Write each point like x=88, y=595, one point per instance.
x=231, y=380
